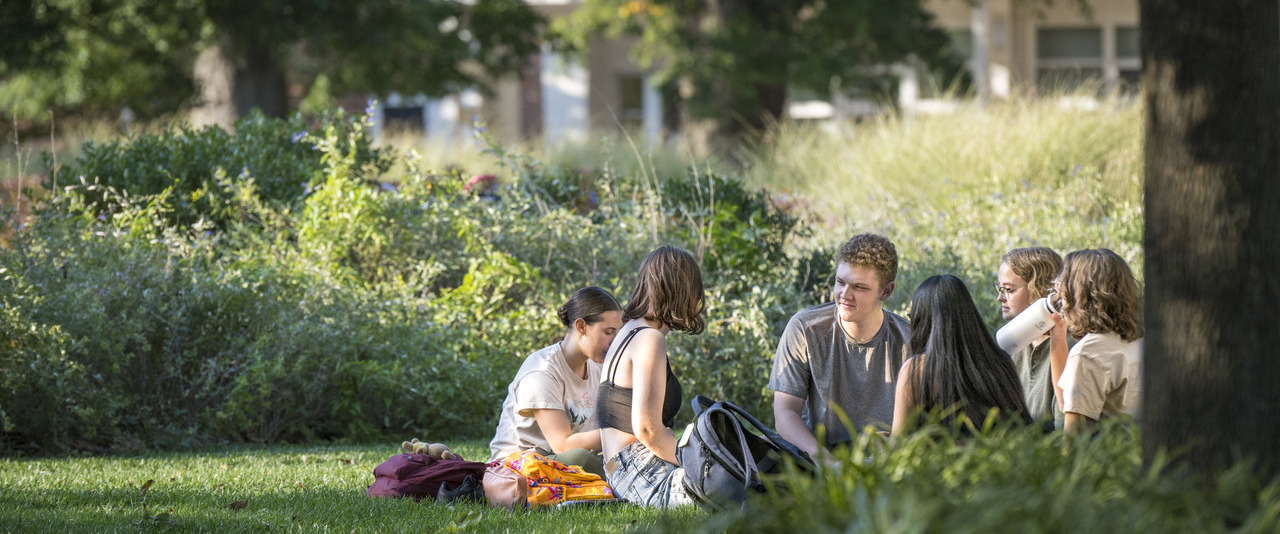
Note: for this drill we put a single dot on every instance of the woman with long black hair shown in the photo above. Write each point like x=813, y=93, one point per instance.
x=957, y=368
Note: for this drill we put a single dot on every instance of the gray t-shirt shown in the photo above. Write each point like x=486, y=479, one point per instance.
x=1037, y=383
x=817, y=361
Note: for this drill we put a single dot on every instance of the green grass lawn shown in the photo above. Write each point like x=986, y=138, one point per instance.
x=267, y=489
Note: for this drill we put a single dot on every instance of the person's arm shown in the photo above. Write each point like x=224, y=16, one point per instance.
x=789, y=379
x=1058, y=352
x=1076, y=423
x=554, y=425
x=786, y=416
x=648, y=390
x=903, y=396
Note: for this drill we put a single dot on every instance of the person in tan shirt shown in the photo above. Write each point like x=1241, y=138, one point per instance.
x=1100, y=303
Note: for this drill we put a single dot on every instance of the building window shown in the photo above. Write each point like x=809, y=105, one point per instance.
x=1068, y=58
x=1129, y=58
x=631, y=101
x=403, y=119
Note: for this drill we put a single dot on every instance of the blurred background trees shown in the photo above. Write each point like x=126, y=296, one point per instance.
x=154, y=57
x=735, y=61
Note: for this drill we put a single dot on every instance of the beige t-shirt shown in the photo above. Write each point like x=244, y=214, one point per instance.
x=544, y=382
x=1103, y=377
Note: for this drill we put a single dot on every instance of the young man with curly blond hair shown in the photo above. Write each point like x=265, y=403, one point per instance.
x=841, y=359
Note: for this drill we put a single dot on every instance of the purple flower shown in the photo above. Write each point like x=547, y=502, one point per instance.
x=369, y=106
x=102, y=217
x=298, y=136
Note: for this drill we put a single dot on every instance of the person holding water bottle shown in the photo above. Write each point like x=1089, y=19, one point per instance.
x=1025, y=277
x=1099, y=302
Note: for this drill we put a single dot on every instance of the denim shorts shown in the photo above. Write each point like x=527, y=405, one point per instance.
x=640, y=477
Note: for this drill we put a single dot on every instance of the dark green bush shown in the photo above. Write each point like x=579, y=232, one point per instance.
x=353, y=313
x=282, y=156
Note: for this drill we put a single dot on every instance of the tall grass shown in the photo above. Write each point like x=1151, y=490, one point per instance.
x=956, y=191
x=857, y=171
x=616, y=153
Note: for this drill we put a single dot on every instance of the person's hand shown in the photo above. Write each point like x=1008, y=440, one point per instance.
x=824, y=458
x=1059, y=330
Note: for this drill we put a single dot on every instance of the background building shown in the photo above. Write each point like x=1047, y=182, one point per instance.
x=1009, y=46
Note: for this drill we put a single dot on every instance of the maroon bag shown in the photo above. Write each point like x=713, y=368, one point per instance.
x=419, y=475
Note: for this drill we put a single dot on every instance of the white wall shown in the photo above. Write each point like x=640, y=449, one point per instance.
x=565, y=90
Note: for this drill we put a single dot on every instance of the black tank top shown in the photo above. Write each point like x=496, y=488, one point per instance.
x=614, y=410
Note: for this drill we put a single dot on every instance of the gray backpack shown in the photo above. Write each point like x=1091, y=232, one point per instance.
x=724, y=452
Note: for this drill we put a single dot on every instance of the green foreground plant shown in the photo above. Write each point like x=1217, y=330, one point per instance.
x=1011, y=480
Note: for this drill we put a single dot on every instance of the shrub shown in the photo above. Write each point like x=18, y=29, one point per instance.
x=183, y=159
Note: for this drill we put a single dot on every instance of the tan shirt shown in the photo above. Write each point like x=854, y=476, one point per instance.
x=1103, y=377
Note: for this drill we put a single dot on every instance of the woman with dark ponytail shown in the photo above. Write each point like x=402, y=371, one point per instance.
x=553, y=395
x=957, y=364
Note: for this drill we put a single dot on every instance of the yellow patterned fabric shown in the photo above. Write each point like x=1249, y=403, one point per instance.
x=551, y=482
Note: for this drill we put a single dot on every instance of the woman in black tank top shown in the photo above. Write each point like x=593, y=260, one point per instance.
x=640, y=393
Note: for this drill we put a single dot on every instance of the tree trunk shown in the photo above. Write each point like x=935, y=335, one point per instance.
x=214, y=77
x=748, y=111
x=230, y=87
x=260, y=83
x=1212, y=156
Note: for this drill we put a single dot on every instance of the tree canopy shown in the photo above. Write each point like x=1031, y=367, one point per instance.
x=736, y=59
x=85, y=56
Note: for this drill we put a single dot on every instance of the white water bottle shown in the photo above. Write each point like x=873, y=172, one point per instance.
x=1032, y=323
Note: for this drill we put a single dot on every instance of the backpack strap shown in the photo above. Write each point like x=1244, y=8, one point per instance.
x=769, y=434
x=700, y=404
x=613, y=369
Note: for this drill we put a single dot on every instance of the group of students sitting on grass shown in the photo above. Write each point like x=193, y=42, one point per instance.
x=605, y=397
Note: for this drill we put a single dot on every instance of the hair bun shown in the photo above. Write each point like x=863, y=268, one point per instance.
x=563, y=314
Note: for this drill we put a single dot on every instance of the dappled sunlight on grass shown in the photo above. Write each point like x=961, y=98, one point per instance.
x=305, y=488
